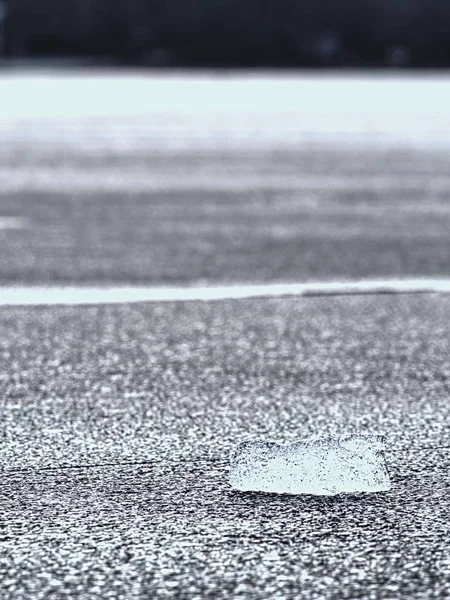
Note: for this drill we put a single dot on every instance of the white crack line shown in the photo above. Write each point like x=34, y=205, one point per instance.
x=46, y=296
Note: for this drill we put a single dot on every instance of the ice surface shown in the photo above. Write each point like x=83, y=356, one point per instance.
x=323, y=466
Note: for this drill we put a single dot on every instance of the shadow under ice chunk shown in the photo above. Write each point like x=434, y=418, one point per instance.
x=323, y=466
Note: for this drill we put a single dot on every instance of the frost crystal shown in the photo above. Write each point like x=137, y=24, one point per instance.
x=323, y=466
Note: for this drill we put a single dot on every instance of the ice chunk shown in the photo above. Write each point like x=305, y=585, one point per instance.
x=323, y=465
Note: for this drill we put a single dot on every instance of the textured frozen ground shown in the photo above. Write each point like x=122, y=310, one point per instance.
x=117, y=424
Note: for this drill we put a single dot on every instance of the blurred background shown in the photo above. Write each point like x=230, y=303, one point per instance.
x=228, y=33
x=297, y=152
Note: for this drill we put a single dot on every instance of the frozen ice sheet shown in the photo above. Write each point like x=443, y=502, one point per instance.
x=322, y=465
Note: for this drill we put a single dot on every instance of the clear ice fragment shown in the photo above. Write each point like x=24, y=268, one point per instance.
x=322, y=466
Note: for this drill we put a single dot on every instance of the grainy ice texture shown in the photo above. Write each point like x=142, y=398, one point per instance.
x=117, y=423
x=322, y=466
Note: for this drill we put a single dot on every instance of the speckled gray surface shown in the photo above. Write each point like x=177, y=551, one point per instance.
x=117, y=423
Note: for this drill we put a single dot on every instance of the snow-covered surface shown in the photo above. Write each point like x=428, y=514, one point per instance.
x=146, y=111
x=71, y=295
x=321, y=466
